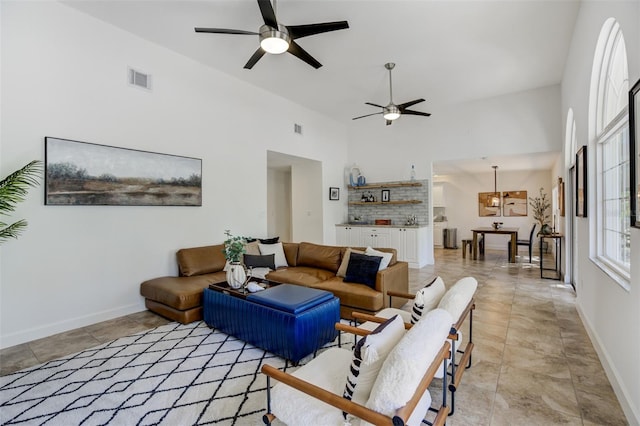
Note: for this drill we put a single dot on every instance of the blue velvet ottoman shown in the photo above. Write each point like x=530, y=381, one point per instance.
x=288, y=320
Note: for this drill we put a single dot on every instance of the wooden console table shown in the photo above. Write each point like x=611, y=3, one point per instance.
x=504, y=231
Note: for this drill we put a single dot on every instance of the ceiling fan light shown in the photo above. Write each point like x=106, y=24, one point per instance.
x=274, y=41
x=391, y=113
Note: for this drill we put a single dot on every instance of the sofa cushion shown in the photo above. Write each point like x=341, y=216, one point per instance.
x=319, y=256
x=394, y=253
x=291, y=253
x=342, y=270
x=360, y=296
x=368, y=356
x=362, y=269
x=179, y=292
x=301, y=275
x=201, y=260
x=385, y=257
x=276, y=249
x=259, y=261
x=407, y=363
x=427, y=298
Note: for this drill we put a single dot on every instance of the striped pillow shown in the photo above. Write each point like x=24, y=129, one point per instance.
x=427, y=299
x=368, y=356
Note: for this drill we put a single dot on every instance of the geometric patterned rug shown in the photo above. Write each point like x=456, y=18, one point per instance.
x=172, y=375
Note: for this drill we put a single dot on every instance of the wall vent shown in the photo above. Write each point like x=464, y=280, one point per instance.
x=297, y=128
x=139, y=79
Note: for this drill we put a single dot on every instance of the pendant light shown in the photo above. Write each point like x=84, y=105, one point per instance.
x=494, y=199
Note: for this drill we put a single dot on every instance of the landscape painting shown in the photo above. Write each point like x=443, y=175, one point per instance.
x=80, y=173
x=514, y=203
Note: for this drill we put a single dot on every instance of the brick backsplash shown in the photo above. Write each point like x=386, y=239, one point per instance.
x=398, y=213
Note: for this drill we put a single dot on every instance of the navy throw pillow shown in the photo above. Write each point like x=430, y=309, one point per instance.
x=273, y=240
x=362, y=269
x=260, y=261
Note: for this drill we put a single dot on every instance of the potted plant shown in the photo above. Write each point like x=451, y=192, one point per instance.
x=13, y=189
x=540, y=205
x=234, y=248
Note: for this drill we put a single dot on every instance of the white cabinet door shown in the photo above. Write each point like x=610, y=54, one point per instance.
x=437, y=234
x=397, y=241
x=375, y=237
x=348, y=236
x=410, y=245
x=438, y=196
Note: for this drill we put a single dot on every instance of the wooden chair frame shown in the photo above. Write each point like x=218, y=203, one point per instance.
x=465, y=360
x=402, y=414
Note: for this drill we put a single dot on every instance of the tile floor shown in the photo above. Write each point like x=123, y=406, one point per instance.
x=533, y=362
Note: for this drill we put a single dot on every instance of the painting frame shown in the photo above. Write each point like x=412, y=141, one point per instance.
x=485, y=206
x=385, y=196
x=634, y=154
x=581, y=182
x=561, y=196
x=515, y=203
x=88, y=174
x=334, y=193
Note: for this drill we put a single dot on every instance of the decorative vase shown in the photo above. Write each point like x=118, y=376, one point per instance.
x=236, y=275
x=546, y=229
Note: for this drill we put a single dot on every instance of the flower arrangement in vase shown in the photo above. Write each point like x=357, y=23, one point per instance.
x=540, y=205
x=234, y=248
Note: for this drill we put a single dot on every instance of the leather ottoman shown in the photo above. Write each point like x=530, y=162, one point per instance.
x=288, y=320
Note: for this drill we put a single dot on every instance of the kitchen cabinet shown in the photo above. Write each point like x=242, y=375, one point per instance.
x=438, y=196
x=438, y=227
x=410, y=244
x=348, y=236
x=375, y=237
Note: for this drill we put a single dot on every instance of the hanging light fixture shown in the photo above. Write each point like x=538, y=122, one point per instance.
x=494, y=199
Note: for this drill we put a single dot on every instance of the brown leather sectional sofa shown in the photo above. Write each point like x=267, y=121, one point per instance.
x=311, y=265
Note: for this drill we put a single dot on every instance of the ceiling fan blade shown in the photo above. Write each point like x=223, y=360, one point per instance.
x=368, y=115
x=255, y=58
x=410, y=103
x=375, y=105
x=409, y=112
x=268, y=14
x=223, y=31
x=296, y=50
x=389, y=122
x=299, y=31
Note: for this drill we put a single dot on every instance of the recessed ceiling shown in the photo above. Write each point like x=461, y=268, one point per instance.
x=446, y=51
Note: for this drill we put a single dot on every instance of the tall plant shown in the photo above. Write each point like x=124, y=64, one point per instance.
x=540, y=205
x=13, y=190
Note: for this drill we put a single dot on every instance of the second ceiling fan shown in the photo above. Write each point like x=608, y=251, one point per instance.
x=392, y=111
x=278, y=38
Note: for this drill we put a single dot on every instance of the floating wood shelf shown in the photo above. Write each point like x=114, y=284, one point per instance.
x=373, y=203
x=385, y=185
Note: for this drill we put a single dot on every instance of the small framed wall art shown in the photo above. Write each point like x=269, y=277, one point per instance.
x=334, y=193
x=581, y=182
x=386, y=195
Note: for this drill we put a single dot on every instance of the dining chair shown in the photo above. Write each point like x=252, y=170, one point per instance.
x=528, y=242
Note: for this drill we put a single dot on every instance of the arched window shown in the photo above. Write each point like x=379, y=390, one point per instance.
x=610, y=78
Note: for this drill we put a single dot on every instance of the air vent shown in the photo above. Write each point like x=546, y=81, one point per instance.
x=139, y=79
x=297, y=128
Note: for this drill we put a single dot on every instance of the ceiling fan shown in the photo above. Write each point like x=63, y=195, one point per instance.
x=392, y=111
x=278, y=38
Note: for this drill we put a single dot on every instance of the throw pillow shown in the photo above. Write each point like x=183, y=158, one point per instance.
x=273, y=240
x=386, y=257
x=276, y=249
x=362, y=269
x=427, y=299
x=342, y=270
x=458, y=296
x=252, y=247
x=408, y=361
x=368, y=357
x=260, y=261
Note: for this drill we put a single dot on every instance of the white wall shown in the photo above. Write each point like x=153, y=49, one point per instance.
x=64, y=74
x=279, y=204
x=518, y=123
x=611, y=314
x=461, y=194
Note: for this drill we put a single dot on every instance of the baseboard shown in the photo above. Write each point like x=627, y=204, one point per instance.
x=35, y=333
x=612, y=374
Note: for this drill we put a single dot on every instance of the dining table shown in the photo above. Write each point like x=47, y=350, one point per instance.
x=483, y=230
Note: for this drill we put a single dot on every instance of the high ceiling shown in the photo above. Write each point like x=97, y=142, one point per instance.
x=445, y=51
